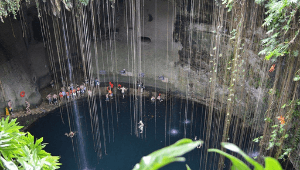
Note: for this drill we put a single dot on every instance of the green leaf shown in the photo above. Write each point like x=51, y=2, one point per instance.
x=187, y=167
x=296, y=78
x=282, y=107
x=167, y=155
x=236, y=149
x=272, y=164
x=237, y=164
x=9, y=164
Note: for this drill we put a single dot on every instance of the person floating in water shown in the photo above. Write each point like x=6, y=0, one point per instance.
x=152, y=98
x=71, y=134
x=159, y=97
x=141, y=126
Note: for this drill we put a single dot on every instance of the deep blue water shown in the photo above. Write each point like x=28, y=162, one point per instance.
x=175, y=119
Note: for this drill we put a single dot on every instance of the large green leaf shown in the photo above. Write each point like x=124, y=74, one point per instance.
x=272, y=164
x=236, y=163
x=296, y=78
x=234, y=148
x=167, y=155
x=8, y=164
x=23, y=149
x=9, y=138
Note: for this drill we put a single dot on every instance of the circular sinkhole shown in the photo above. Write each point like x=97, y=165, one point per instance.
x=114, y=138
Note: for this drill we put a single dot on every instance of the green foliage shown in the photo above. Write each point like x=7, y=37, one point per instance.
x=7, y=7
x=280, y=15
x=19, y=150
x=84, y=2
x=170, y=154
x=229, y=4
x=237, y=164
x=297, y=76
x=167, y=155
x=187, y=167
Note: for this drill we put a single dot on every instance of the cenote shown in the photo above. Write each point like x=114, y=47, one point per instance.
x=113, y=143
x=238, y=59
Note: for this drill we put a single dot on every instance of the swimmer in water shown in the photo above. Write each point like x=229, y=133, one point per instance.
x=141, y=126
x=159, y=97
x=71, y=134
x=152, y=98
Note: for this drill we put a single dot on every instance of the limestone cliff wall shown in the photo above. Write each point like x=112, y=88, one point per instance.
x=23, y=65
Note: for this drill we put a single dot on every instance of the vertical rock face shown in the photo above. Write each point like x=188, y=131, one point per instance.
x=22, y=64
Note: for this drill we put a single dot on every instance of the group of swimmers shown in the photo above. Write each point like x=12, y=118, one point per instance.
x=158, y=98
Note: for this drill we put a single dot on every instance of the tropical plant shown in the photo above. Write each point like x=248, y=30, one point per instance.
x=237, y=164
x=279, y=23
x=19, y=150
x=170, y=154
x=167, y=155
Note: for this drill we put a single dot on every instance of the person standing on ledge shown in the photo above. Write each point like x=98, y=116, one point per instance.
x=55, y=99
x=27, y=106
x=52, y=83
x=49, y=97
x=9, y=103
x=123, y=89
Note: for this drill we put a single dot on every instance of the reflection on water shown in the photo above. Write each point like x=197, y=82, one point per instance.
x=174, y=132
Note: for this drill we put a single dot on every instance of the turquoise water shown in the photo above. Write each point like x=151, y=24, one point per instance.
x=175, y=119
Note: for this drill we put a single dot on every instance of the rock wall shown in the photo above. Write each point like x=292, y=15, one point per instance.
x=23, y=62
